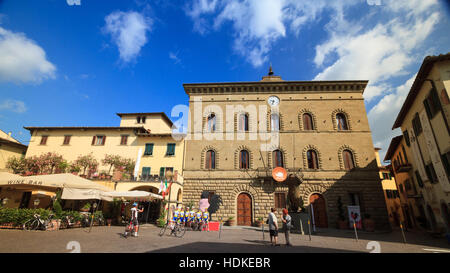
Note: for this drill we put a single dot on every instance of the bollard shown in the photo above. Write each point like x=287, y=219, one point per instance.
x=356, y=233
x=263, y=232
x=403, y=233
x=309, y=229
x=301, y=227
x=220, y=226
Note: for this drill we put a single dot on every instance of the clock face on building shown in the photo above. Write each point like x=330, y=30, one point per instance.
x=273, y=101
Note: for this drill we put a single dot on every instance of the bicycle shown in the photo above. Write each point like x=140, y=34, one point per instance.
x=67, y=222
x=38, y=223
x=178, y=229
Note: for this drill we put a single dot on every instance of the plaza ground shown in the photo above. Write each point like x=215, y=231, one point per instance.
x=232, y=240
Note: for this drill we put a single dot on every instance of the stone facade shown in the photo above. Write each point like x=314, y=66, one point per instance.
x=322, y=101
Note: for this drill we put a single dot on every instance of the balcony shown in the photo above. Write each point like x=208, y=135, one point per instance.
x=403, y=168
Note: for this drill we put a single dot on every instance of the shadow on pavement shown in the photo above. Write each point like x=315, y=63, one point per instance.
x=213, y=247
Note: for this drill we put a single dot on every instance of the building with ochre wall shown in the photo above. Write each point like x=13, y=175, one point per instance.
x=424, y=120
x=145, y=138
x=317, y=130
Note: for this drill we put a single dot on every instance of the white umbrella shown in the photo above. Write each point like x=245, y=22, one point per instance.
x=133, y=195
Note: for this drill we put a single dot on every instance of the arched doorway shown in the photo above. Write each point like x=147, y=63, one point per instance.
x=244, y=209
x=152, y=209
x=319, y=209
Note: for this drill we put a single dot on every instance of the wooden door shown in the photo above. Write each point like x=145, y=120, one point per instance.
x=320, y=210
x=244, y=210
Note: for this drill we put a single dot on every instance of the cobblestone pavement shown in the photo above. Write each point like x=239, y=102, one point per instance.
x=232, y=240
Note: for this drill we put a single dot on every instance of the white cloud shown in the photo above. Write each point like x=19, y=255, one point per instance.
x=13, y=105
x=174, y=57
x=381, y=116
x=22, y=60
x=129, y=32
x=380, y=53
x=258, y=24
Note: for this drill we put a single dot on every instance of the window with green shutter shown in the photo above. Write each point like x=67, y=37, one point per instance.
x=145, y=172
x=170, y=149
x=148, y=149
x=162, y=172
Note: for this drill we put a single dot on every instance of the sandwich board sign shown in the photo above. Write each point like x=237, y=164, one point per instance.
x=354, y=215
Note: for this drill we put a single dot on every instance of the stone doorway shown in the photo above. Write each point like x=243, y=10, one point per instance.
x=244, y=210
x=320, y=210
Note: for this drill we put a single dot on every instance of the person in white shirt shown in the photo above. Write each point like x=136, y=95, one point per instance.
x=273, y=227
x=134, y=217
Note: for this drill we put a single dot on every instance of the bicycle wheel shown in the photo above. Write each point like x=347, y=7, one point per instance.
x=180, y=231
x=31, y=224
x=163, y=230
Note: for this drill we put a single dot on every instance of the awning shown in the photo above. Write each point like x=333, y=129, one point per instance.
x=84, y=194
x=61, y=180
x=133, y=195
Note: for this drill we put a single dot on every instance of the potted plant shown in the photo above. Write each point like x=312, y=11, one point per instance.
x=258, y=222
x=369, y=224
x=341, y=222
x=230, y=221
x=86, y=207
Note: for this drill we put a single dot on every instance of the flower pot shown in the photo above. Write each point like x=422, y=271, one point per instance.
x=109, y=221
x=258, y=223
x=342, y=224
x=369, y=225
x=230, y=222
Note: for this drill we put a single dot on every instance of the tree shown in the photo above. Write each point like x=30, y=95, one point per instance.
x=87, y=162
x=16, y=164
x=50, y=161
x=112, y=161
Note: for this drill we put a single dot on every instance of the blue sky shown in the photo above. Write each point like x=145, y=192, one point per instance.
x=64, y=64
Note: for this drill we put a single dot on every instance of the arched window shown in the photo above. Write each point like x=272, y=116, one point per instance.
x=275, y=122
x=347, y=156
x=243, y=123
x=212, y=123
x=210, y=160
x=341, y=122
x=277, y=158
x=179, y=196
x=313, y=162
x=307, y=122
x=244, y=160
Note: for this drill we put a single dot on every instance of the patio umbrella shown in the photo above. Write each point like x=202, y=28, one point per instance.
x=65, y=180
x=133, y=195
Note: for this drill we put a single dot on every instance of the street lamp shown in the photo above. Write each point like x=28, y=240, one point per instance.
x=36, y=202
x=169, y=176
x=5, y=201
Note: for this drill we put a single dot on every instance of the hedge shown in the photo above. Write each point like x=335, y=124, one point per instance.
x=19, y=216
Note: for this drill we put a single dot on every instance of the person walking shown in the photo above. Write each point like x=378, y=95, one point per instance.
x=273, y=227
x=287, y=224
x=134, y=217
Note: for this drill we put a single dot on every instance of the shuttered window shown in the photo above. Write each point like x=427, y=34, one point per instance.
x=417, y=126
x=348, y=160
x=123, y=139
x=210, y=160
x=277, y=158
x=44, y=140
x=341, y=121
x=307, y=122
x=280, y=200
x=244, y=161
x=146, y=172
x=312, y=159
x=148, y=149
x=170, y=149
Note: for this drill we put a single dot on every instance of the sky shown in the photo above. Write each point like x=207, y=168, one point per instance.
x=79, y=62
